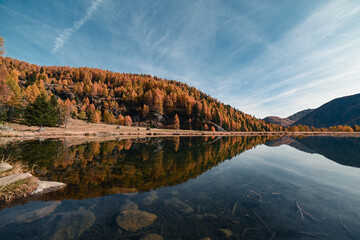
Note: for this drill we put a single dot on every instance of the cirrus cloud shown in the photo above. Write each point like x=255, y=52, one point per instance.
x=66, y=33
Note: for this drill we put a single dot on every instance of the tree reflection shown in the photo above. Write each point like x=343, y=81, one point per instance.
x=100, y=168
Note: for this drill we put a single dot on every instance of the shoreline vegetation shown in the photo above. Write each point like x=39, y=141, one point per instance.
x=80, y=128
x=16, y=183
x=79, y=131
x=126, y=166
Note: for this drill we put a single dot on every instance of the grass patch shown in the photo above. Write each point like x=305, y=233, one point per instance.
x=17, y=167
x=20, y=189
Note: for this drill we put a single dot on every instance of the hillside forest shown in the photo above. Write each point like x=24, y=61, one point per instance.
x=98, y=95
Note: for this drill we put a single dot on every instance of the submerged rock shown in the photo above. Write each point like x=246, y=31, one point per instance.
x=227, y=232
x=150, y=199
x=178, y=205
x=129, y=205
x=28, y=213
x=46, y=187
x=206, y=215
x=73, y=224
x=134, y=220
x=152, y=236
x=4, y=167
x=175, y=193
x=203, y=196
x=4, y=181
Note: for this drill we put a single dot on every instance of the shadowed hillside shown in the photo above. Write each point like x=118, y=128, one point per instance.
x=285, y=122
x=340, y=111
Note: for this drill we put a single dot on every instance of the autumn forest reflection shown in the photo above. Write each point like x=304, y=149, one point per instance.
x=95, y=169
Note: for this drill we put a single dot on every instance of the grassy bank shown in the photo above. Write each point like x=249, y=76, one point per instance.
x=79, y=128
x=19, y=189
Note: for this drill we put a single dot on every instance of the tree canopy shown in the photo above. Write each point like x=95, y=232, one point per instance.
x=100, y=95
x=42, y=112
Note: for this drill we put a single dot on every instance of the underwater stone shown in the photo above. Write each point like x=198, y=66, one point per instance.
x=178, y=205
x=151, y=236
x=134, y=220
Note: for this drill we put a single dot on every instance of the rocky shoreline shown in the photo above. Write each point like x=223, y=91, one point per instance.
x=16, y=184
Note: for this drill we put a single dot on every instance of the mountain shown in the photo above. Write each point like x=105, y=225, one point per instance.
x=278, y=120
x=285, y=122
x=293, y=142
x=299, y=115
x=120, y=98
x=340, y=111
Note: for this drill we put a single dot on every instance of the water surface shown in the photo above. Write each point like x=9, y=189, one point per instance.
x=220, y=188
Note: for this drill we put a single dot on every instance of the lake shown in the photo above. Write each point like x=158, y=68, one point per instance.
x=190, y=188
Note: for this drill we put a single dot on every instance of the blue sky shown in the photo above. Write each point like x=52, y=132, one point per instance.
x=262, y=57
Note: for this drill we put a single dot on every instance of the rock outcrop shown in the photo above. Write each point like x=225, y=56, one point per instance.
x=46, y=187
x=4, y=167
x=23, y=184
x=4, y=181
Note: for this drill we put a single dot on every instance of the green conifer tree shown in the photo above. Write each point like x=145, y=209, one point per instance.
x=42, y=112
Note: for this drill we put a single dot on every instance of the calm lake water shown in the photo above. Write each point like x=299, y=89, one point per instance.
x=191, y=188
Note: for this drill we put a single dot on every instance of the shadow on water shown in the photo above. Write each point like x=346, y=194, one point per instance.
x=182, y=188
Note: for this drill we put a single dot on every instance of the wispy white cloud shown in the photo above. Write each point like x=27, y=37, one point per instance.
x=171, y=44
x=66, y=33
x=261, y=57
x=315, y=61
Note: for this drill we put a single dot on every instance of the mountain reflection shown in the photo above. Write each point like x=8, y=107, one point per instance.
x=95, y=169
x=345, y=151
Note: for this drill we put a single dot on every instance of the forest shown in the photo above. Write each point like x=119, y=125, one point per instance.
x=97, y=95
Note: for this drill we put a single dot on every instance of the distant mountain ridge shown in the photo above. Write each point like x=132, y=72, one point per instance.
x=340, y=111
x=285, y=122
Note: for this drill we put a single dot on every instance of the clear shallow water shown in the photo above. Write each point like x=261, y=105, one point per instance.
x=221, y=188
